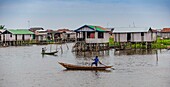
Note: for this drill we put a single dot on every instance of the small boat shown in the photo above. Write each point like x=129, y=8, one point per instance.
x=78, y=67
x=49, y=53
x=168, y=47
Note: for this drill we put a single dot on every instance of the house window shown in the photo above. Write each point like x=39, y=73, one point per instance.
x=142, y=33
x=128, y=36
x=68, y=35
x=10, y=35
x=100, y=35
x=90, y=34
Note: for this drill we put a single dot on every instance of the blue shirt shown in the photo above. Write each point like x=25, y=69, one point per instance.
x=96, y=60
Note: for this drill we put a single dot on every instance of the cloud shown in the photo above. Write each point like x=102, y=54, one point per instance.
x=73, y=13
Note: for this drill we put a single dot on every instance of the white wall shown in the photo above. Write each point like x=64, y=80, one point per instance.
x=72, y=35
x=41, y=37
x=147, y=37
x=122, y=37
x=137, y=37
x=28, y=37
x=154, y=37
x=7, y=37
x=19, y=37
x=116, y=39
x=98, y=40
x=165, y=35
x=80, y=35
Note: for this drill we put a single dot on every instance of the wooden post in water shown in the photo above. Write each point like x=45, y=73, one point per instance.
x=50, y=47
x=90, y=47
x=135, y=45
x=61, y=49
x=96, y=46
x=67, y=46
x=156, y=57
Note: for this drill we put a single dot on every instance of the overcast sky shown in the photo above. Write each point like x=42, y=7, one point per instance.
x=72, y=14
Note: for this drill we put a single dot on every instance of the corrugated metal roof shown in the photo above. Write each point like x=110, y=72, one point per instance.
x=35, y=28
x=2, y=30
x=130, y=29
x=94, y=28
x=165, y=30
x=98, y=28
x=20, y=31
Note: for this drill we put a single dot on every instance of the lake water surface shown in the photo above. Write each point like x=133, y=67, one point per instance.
x=25, y=67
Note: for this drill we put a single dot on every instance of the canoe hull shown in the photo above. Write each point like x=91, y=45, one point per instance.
x=77, y=67
x=49, y=53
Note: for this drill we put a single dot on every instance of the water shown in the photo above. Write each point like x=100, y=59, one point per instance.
x=26, y=67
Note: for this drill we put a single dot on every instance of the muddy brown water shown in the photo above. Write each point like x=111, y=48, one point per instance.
x=25, y=67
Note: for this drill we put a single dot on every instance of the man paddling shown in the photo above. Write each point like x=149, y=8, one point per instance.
x=96, y=61
x=43, y=50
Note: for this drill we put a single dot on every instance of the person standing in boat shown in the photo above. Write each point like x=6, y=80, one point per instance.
x=43, y=50
x=96, y=61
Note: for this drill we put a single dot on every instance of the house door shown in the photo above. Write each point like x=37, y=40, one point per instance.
x=142, y=36
x=33, y=36
x=0, y=37
x=4, y=37
x=15, y=37
x=128, y=36
x=68, y=35
x=23, y=37
x=41, y=38
x=84, y=36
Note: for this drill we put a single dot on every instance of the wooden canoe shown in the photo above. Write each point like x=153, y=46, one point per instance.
x=78, y=67
x=49, y=53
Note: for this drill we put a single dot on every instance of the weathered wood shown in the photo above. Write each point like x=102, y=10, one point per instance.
x=77, y=67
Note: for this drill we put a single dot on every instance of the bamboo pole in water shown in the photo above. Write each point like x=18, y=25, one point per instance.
x=56, y=46
x=67, y=46
x=61, y=49
x=50, y=47
x=156, y=55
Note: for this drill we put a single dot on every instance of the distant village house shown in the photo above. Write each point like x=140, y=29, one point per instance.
x=41, y=36
x=14, y=36
x=134, y=35
x=65, y=35
x=165, y=32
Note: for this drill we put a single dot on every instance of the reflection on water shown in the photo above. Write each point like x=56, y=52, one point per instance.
x=25, y=67
x=91, y=54
x=106, y=53
x=135, y=52
x=43, y=55
x=96, y=71
x=85, y=58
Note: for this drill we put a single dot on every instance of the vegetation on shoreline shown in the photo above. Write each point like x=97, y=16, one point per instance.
x=160, y=43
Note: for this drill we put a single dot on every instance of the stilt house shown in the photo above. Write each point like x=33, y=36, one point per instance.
x=1, y=31
x=34, y=29
x=165, y=32
x=16, y=36
x=65, y=35
x=94, y=37
x=41, y=35
x=134, y=35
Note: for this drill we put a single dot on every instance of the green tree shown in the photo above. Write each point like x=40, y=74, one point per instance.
x=2, y=26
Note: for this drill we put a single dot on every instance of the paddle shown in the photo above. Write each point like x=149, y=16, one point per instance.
x=105, y=65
